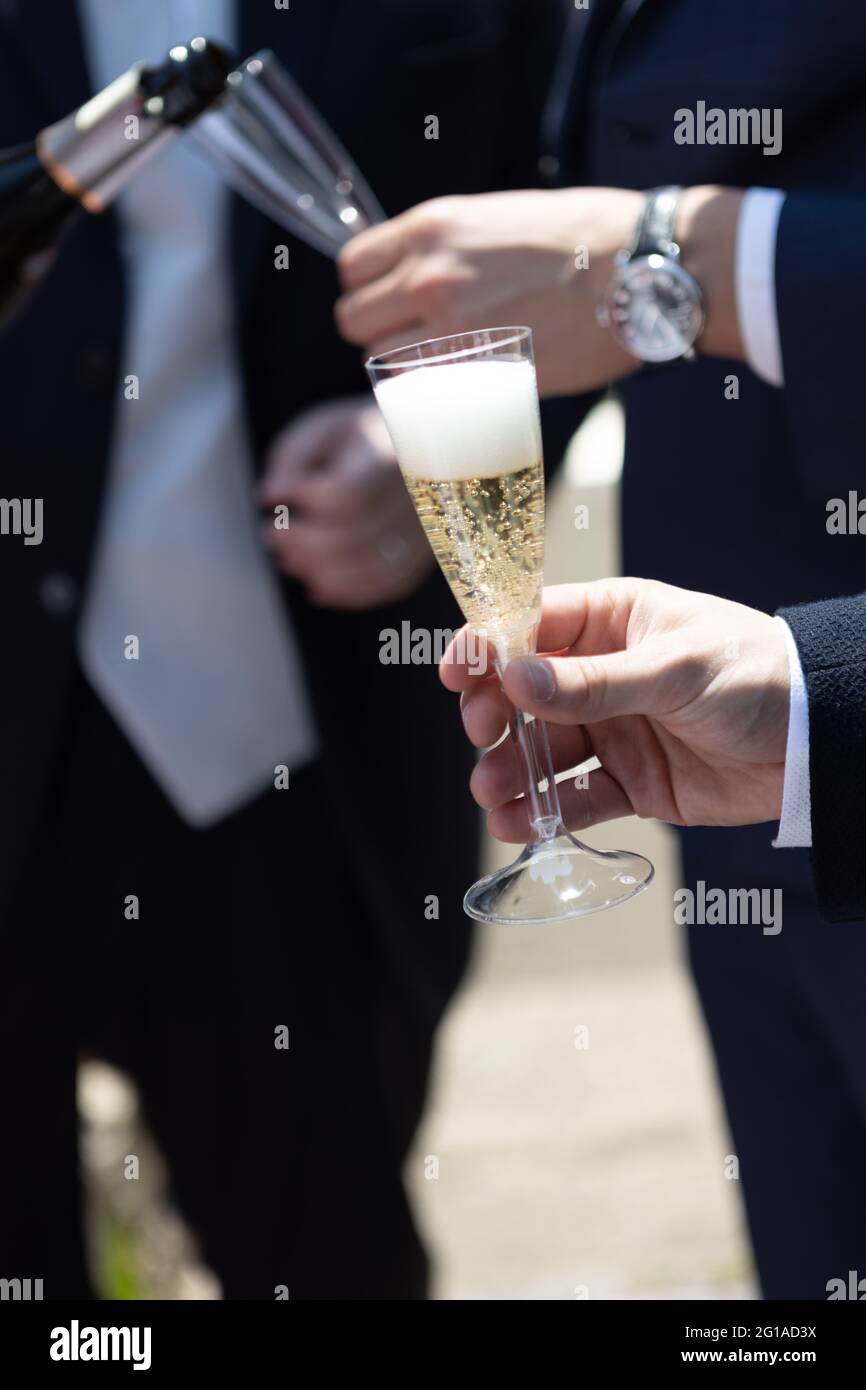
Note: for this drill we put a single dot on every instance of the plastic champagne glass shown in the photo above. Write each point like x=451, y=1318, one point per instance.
x=463, y=415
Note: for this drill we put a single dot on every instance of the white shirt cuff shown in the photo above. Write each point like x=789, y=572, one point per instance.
x=757, y=227
x=795, y=826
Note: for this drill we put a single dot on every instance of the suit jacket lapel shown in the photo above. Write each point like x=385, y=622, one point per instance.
x=622, y=15
x=591, y=44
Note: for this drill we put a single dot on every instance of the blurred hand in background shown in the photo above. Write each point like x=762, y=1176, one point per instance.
x=353, y=540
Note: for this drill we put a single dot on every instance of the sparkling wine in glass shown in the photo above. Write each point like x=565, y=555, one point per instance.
x=463, y=414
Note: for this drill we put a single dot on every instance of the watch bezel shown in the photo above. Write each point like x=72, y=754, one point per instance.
x=628, y=267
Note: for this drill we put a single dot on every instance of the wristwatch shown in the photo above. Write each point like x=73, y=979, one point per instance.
x=653, y=307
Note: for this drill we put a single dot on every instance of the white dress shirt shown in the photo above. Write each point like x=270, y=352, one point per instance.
x=795, y=826
x=756, y=282
x=757, y=229
x=216, y=700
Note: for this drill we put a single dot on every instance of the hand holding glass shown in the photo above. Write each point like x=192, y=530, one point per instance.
x=463, y=414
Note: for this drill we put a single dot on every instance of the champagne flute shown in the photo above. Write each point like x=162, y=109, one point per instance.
x=275, y=149
x=463, y=415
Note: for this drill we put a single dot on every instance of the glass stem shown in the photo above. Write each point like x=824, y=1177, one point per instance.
x=532, y=744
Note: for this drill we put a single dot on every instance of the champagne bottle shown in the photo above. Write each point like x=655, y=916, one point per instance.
x=86, y=159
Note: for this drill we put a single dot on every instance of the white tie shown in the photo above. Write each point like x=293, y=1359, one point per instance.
x=184, y=634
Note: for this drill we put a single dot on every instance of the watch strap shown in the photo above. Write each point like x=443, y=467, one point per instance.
x=657, y=222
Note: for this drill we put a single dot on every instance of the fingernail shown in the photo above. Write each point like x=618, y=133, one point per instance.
x=540, y=677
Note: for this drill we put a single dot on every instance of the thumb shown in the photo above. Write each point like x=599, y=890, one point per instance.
x=587, y=689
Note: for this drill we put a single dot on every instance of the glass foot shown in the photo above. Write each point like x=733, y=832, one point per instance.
x=555, y=880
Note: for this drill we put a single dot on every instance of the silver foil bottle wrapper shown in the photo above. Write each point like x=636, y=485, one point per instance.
x=88, y=153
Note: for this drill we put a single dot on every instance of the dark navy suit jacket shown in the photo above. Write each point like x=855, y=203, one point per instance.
x=395, y=756
x=730, y=496
x=831, y=641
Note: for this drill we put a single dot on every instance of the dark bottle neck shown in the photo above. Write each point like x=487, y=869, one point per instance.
x=95, y=152
x=90, y=156
x=29, y=198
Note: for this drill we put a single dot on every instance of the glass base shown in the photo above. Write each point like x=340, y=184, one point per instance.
x=556, y=880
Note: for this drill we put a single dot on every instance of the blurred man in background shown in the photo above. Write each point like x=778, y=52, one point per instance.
x=732, y=460
x=269, y=964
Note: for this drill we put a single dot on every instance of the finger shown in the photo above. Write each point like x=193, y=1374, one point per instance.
x=376, y=310
x=362, y=587
x=310, y=547
x=584, y=690
x=371, y=254
x=350, y=484
x=601, y=799
x=484, y=710
x=415, y=332
x=587, y=617
x=298, y=450
x=354, y=596
x=387, y=538
x=591, y=617
x=574, y=616
x=498, y=778
x=358, y=573
x=467, y=659
x=387, y=531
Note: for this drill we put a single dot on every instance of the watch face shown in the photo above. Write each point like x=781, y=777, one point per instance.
x=655, y=309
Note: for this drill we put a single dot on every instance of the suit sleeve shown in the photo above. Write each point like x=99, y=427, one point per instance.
x=821, y=304
x=831, y=642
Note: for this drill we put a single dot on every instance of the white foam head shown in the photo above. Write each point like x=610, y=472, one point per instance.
x=463, y=419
